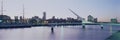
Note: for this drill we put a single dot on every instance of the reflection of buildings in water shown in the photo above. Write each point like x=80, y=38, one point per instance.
x=62, y=33
x=110, y=29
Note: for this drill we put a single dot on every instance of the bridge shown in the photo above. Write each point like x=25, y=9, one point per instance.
x=70, y=24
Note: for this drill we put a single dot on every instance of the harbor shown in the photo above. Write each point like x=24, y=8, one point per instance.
x=59, y=20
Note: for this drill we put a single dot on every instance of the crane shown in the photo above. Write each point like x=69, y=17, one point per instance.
x=78, y=17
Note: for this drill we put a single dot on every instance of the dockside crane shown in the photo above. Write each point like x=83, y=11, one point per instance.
x=78, y=17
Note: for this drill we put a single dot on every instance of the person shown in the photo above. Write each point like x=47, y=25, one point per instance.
x=52, y=29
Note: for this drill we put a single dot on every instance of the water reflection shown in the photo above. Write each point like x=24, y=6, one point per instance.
x=62, y=33
x=110, y=29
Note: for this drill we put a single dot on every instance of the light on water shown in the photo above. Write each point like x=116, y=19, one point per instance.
x=62, y=33
x=111, y=30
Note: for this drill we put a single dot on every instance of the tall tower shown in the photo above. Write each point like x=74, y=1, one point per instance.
x=44, y=15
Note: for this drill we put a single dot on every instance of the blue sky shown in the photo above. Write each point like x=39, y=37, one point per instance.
x=102, y=9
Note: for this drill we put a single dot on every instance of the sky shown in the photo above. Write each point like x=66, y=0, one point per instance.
x=104, y=10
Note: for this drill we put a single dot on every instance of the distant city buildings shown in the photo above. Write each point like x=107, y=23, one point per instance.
x=95, y=20
x=114, y=20
x=35, y=20
x=92, y=19
x=43, y=20
x=16, y=19
x=5, y=19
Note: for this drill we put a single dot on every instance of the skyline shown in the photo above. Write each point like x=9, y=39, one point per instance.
x=101, y=9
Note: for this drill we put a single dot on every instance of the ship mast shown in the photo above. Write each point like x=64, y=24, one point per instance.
x=23, y=12
x=2, y=7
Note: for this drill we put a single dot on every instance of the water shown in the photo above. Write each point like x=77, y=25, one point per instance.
x=91, y=32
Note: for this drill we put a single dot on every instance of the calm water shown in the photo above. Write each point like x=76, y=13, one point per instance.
x=91, y=32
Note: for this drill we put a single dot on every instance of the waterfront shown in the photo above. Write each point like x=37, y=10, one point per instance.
x=91, y=32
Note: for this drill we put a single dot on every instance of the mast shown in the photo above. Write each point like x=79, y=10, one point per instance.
x=23, y=12
x=2, y=7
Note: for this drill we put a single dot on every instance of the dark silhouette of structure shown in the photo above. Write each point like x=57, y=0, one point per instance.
x=44, y=16
x=114, y=20
x=90, y=18
x=16, y=19
x=95, y=20
x=5, y=19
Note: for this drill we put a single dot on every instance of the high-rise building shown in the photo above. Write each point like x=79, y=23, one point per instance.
x=90, y=18
x=21, y=18
x=95, y=20
x=16, y=19
x=44, y=15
